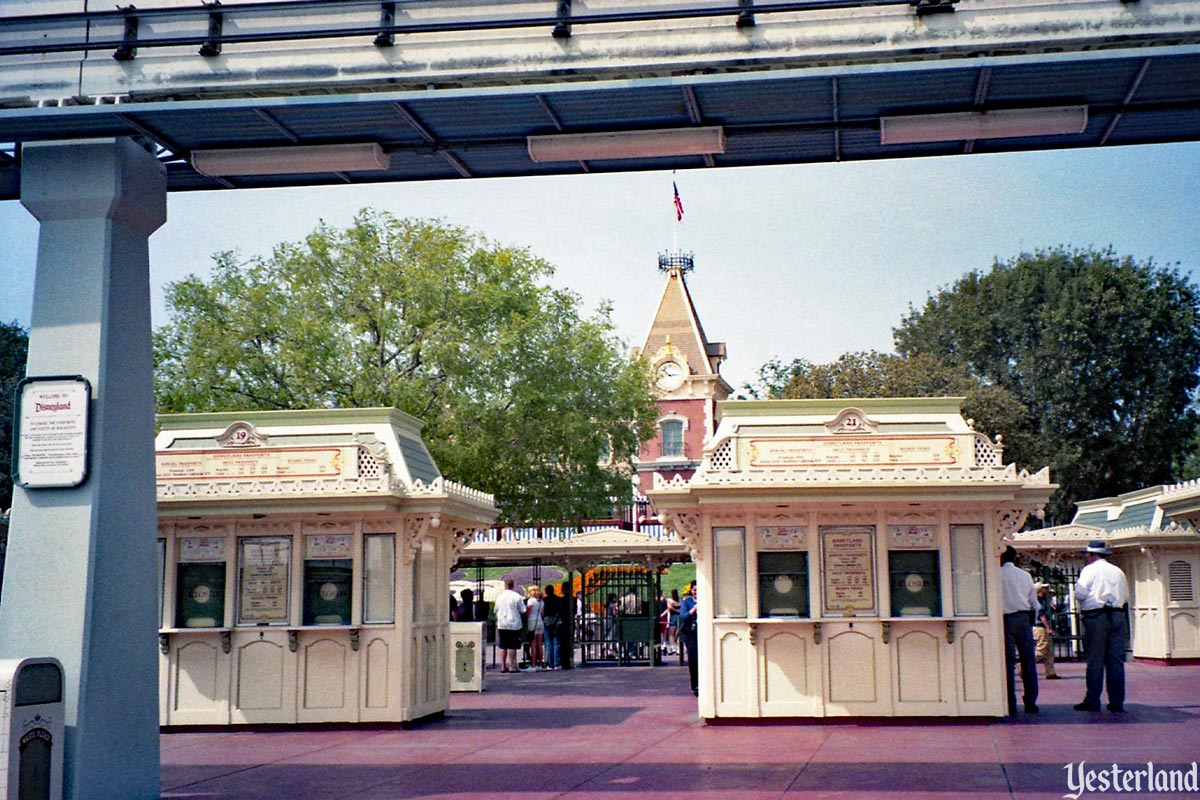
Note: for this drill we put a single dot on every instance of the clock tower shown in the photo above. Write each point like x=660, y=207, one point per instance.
x=686, y=370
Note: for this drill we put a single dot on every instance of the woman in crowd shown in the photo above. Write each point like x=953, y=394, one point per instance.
x=534, y=626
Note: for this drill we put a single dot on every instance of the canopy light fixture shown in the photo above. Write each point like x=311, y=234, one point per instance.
x=627, y=144
x=290, y=160
x=972, y=125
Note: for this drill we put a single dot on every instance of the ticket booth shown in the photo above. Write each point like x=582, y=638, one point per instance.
x=304, y=562
x=848, y=558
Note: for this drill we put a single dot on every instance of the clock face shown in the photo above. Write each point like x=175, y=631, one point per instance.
x=668, y=375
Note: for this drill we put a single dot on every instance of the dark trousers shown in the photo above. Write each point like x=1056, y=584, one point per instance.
x=690, y=647
x=1104, y=639
x=1019, y=649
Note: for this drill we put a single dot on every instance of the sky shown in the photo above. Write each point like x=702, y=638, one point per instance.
x=807, y=261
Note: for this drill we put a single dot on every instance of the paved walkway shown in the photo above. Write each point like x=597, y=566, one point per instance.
x=633, y=734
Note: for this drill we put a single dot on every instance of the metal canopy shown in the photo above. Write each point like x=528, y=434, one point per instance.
x=1133, y=95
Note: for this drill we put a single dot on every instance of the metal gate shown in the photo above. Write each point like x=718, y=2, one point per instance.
x=1068, y=624
x=615, y=622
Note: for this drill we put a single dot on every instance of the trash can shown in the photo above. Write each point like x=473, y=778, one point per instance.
x=31, y=729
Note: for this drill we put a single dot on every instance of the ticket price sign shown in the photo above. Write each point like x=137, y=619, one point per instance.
x=51, y=449
x=848, y=570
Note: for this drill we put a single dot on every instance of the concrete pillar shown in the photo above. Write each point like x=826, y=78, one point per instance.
x=80, y=581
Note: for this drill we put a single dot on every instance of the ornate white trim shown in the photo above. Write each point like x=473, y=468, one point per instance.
x=463, y=537
x=416, y=528
x=687, y=528
x=266, y=527
x=241, y=434
x=1010, y=520
x=852, y=421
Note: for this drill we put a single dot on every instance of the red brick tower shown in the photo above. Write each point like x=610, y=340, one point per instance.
x=686, y=368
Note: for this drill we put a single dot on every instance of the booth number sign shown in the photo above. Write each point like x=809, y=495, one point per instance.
x=51, y=449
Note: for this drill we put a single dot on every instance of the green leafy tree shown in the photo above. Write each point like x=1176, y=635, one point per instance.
x=14, y=349
x=772, y=381
x=994, y=410
x=520, y=393
x=1102, y=350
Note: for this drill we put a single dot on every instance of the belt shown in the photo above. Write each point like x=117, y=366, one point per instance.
x=1091, y=612
x=1018, y=613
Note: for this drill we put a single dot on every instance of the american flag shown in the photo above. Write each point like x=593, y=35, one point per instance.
x=678, y=203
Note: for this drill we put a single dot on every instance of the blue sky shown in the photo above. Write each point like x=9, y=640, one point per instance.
x=805, y=261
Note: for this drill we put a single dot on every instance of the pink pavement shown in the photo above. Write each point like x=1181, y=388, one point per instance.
x=634, y=734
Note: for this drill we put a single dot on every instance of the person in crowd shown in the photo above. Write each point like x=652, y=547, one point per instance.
x=509, y=626
x=1043, y=631
x=630, y=606
x=688, y=625
x=612, y=612
x=1020, y=605
x=1103, y=596
x=535, y=627
x=453, y=607
x=466, y=607
x=552, y=618
x=673, y=622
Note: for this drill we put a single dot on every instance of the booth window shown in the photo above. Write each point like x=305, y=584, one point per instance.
x=672, y=438
x=915, y=583
x=379, y=578
x=200, y=583
x=328, y=578
x=264, y=580
x=967, y=569
x=783, y=583
x=425, y=583
x=162, y=576
x=729, y=550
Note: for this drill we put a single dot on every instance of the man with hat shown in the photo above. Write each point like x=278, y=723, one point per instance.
x=1103, y=596
x=1043, y=630
x=1020, y=602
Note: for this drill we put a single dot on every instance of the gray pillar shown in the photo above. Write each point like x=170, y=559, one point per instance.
x=80, y=581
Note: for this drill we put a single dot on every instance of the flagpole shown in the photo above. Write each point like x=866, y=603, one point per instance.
x=675, y=227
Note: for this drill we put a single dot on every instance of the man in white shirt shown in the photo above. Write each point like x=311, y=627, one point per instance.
x=1020, y=604
x=509, y=626
x=1103, y=596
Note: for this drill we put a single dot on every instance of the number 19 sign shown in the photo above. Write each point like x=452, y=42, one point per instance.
x=52, y=435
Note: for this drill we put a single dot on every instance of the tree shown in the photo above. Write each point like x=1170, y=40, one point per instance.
x=872, y=374
x=1103, y=351
x=14, y=350
x=520, y=393
x=773, y=379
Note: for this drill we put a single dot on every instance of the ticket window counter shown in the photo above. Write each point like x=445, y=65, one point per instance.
x=200, y=590
x=299, y=628
x=851, y=620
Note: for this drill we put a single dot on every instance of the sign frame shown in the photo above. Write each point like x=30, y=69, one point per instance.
x=833, y=580
x=80, y=456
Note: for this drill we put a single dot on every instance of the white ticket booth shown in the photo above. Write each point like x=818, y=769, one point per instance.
x=847, y=558
x=305, y=567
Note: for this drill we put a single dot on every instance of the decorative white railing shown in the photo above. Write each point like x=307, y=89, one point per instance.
x=564, y=534
x=1187, y=487
x=804, y=476
x=987, y=452
x=272, y=487
x=440, y=486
